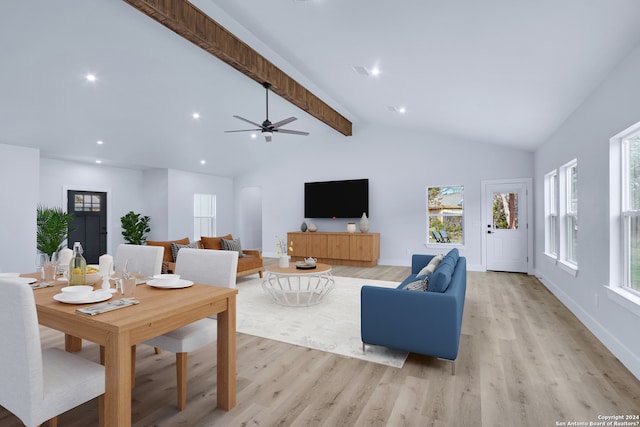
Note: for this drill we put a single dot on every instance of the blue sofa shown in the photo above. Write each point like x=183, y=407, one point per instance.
x=424, y=322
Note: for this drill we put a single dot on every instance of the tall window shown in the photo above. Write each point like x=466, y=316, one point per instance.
x=445, y=214
x=569, y=215
x=551, y=213
x=204, y=215
x=630, y=214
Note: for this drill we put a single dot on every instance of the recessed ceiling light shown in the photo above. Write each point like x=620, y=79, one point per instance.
x=399, y=110
x=203, y=162
x=196, y=115
x=402, y=110
x=254, y=136
x=364, y=71
x=90, y=77
x=375, y=71
x=98, y=161
x=99, y=142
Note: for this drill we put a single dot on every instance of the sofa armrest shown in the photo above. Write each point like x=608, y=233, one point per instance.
x=420, y=322
x=254, y=252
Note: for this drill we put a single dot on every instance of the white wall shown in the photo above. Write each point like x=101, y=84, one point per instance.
x=611, y=108
x=181, y=188
x=123, y=187
x=156, y=202
x=19, y=172
x=399, y=164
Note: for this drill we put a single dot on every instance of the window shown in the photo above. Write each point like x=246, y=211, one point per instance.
x=204, y=215
x=568, y=232
x=630, y=211
x=551, y=214
x=445, y=209
x=624, y=211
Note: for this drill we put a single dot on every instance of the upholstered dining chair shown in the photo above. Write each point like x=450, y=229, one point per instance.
x=148, y=259
x=201, y=266
x=37, y=385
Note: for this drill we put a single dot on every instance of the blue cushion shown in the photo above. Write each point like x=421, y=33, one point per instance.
x=453, y=253
x=441, y=278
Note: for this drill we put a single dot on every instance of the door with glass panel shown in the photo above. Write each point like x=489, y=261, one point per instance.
x=506, y=227
x=89, y=224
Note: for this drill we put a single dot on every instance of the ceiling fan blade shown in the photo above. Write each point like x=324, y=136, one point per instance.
x=248, y=121
x=283, y=122
x=267, y=138
x=293, y=132
x=244, y=130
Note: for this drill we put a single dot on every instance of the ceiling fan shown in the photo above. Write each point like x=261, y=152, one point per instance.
x=267, y=128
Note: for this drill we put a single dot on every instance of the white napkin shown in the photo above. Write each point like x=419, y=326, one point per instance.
x=105, y=263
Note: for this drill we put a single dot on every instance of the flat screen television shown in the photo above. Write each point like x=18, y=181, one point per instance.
x=336, y=199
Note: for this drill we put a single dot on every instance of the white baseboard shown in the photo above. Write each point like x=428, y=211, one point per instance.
x=629, y=359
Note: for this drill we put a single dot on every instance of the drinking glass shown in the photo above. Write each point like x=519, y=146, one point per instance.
x=41, y=258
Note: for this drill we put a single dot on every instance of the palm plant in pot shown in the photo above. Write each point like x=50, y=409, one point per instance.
x=135, y=228
x=52, y=229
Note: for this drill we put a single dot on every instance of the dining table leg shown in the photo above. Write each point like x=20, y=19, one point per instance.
x=226, y=368
x=116, y=409
x=72, y=344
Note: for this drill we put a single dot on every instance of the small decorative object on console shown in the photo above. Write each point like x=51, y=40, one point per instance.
x=351, y=227
x=364, y=223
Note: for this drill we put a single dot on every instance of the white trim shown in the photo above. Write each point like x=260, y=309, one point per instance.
x=626, y=299
x=568, y=267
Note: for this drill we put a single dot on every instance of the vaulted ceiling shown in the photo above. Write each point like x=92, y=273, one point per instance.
x=495, y=71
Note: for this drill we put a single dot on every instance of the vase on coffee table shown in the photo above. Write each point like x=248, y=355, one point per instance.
x=283, y=261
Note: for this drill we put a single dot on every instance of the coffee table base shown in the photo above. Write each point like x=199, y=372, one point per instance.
x=295, y=290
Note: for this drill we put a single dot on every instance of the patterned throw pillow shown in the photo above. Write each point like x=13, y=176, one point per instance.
x=418, y=285
x=176, y=247
x=431, y=267
x=232, y=245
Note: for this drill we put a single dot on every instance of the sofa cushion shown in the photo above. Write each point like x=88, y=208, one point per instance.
x=442, y=277
x=453, y=254
x=214, y=242
x=168, y=256
x=232, y=245
x=175, y=247
x=431, y=267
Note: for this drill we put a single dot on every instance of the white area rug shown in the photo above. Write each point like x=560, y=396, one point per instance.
x=332, y=326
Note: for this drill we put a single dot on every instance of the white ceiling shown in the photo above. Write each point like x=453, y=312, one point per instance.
x=499, y=71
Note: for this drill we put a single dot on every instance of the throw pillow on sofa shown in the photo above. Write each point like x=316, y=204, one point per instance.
x=168, y=256
x=232, y=245
x=431, y=267
x=214, y=242
x=420, y=284
x=176, y=247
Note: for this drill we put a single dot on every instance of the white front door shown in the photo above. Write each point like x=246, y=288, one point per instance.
x=506, y=226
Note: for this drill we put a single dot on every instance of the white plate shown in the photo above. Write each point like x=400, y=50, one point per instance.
x=28, y=280
x=95, y=296
x=180, y=283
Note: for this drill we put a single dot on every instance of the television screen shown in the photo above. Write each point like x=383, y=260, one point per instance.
x=336, y=199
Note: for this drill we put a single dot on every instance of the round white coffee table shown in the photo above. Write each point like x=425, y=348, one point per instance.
x=298, y=287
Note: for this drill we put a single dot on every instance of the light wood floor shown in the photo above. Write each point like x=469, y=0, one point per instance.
x=524, y=360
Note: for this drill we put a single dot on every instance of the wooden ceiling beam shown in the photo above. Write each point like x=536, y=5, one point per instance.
x=194, y=25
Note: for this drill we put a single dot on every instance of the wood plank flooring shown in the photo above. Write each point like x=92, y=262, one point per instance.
x=524, y=360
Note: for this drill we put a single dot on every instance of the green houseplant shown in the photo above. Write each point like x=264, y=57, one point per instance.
x=135, y=228
x=52, y=229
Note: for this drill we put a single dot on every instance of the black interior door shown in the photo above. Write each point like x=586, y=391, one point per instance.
x=89, y=224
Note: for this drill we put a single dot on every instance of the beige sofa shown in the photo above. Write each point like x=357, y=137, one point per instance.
x=249, y=262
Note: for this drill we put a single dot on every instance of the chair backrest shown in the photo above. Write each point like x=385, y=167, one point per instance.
x=21, y=388
x=208, y=266
x=147, y=258
x=435, y=236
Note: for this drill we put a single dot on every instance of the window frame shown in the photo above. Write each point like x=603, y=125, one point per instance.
x=429, y=242
x=568, y=218
x=617, y=291
x=197, y=219
x=551, y=215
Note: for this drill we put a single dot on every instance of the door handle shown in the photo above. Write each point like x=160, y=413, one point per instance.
x=489, y=232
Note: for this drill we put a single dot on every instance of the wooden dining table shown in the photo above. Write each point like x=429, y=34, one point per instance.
x=159, y=311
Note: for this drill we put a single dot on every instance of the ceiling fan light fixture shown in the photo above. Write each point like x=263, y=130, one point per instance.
x=267, y=133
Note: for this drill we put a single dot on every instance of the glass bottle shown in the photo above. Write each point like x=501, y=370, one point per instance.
x=77, y=266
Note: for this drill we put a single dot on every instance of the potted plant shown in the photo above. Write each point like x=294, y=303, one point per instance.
x=135, y=228
x=52, y=229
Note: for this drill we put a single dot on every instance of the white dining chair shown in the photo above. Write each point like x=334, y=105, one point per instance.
x=209, y=267
x=38, y=385
x=148, y=259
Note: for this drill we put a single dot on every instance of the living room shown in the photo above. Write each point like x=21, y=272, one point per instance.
x=400, y=163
